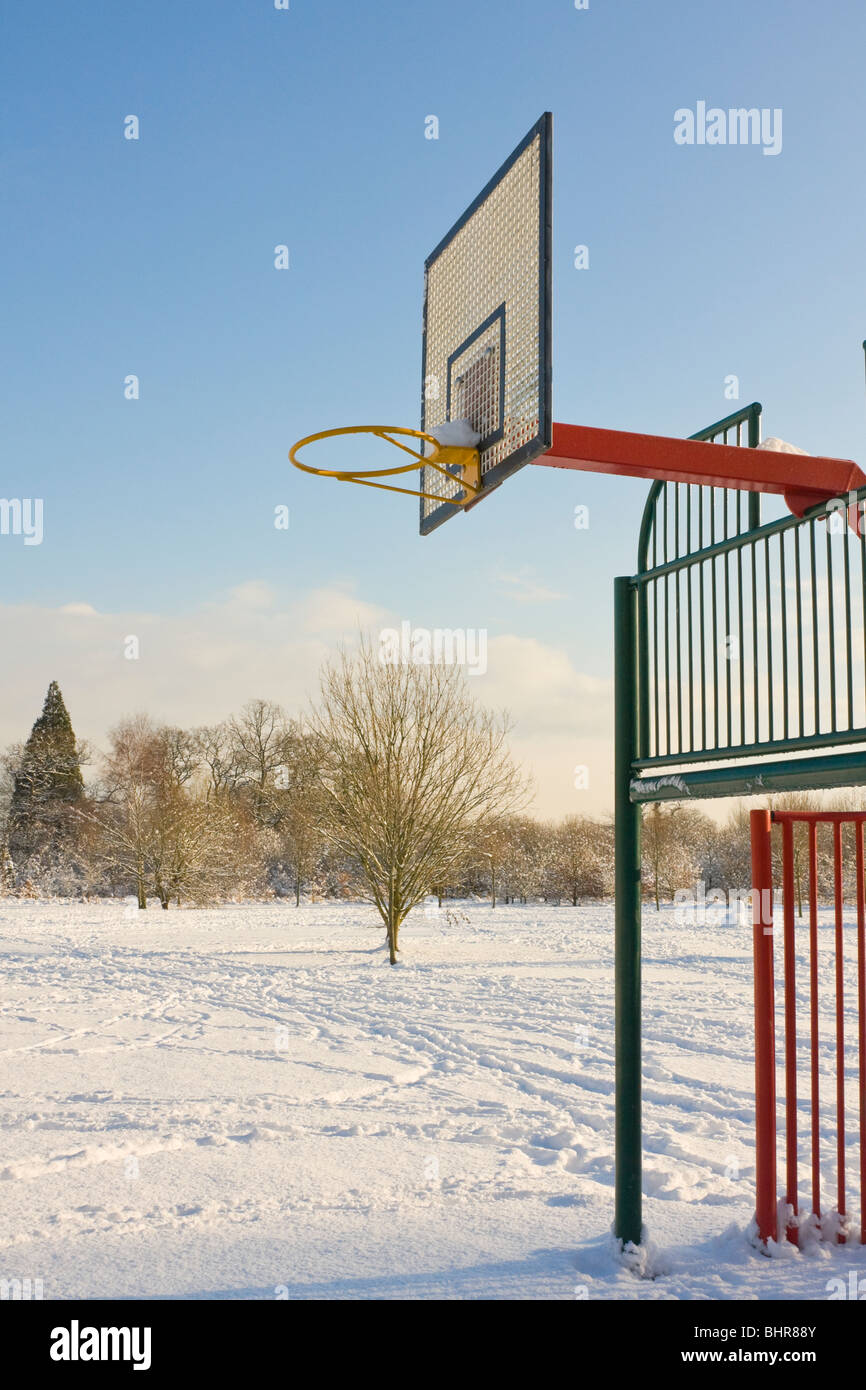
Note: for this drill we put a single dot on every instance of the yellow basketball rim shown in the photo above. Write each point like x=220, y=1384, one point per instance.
x=445, y=459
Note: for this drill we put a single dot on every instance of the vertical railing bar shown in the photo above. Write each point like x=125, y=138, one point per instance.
x=667, y=556
x=755, y=692
x=789, y=968
x=831, y=632
x=783, y=637
x=816, y=665
x=643, y=681
x=766, y=1213
x=770, y=710
x=849, y=675
x=691, y=630
x=799, y=602
x=861, y=526
x=655, y=531
x=702, y=606
x=656, y=713
x=726, y=559
x=741, y=640
x=688, y=549
x=656, y=624
x=754, y=439
x=813, y=1019
x=715, y=628
x=715, y=654
x=840, y=1024
x=667, y=663
x=689, y=591
x=861, y=1022
x=679, y=665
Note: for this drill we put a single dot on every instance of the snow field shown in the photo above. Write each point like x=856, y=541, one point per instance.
x=249, y=1102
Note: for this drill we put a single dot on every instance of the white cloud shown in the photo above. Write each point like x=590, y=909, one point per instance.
x=523, y=586
x=562, y=719
x=541, y=687
x=336, y=611
x=80, y=610
x=198, y=667
x=253, y=594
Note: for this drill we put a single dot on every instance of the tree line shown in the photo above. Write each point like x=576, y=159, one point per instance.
x=395, y=786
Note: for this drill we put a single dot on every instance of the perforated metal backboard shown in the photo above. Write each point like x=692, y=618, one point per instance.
x=486, y=344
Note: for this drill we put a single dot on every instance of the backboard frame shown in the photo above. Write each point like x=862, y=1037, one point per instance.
x=541, y=442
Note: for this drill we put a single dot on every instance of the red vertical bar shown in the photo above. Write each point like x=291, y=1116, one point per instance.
x=813, y=1013
x=840, y=1022
x=790, y=1025
x=765, y=1039
x=861, y=1022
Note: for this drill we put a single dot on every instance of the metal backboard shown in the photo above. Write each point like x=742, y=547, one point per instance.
x=487, y=323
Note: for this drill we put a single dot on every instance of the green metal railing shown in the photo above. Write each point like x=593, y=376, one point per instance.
x=679, y=521
x=751, y=644
x=746, y=640
x=734, y=639
x=680, y=518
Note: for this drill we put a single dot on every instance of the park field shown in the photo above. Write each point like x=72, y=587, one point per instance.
x=250, y=1103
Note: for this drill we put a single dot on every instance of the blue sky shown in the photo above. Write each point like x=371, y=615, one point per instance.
x=306, y=127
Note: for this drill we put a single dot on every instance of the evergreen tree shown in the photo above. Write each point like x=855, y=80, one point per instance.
x=47, y=784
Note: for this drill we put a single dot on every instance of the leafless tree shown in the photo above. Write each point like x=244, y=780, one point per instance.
x=412, y=769
x=670, y=858
x=258, y=750
x=124, y=811
x=202, y=848
x=582, y=859
x=216, y=753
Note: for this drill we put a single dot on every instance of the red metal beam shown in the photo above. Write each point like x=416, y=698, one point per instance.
x=802, y=480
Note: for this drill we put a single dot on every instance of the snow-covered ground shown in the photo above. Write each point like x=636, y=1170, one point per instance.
x=250, y=1103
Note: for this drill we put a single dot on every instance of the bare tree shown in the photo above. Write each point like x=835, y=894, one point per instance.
x=216, y=753
x=296, y=804
x=525, y=860
x=490, y=853
x=124, y=812
x=582, y=858
x=202, y=848
x=670, y=859
x=412, y=769
x=258, y=750
x=301, y=840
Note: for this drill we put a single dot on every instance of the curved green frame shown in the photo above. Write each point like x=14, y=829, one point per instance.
x=636, y=682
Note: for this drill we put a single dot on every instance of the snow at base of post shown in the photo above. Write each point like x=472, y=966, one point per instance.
x=644, y=1260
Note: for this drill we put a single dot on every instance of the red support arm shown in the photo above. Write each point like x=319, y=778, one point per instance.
x=804, y=481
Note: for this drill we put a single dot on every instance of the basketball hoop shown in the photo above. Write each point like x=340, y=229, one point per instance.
x=457, y=463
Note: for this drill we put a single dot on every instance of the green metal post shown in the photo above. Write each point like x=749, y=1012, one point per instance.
x=628, y=1218
x=754, y=441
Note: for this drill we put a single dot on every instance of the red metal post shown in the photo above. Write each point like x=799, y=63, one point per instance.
x=861, y=1022
x=813, y=1016
x=840, y=1022
x=836, y=819
x=790, y=1026
x=765, y=1026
